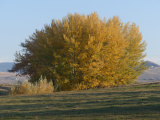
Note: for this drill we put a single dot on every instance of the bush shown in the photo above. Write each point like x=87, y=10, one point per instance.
x=28, y=88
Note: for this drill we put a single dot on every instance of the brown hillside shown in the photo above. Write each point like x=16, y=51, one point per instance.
x=9, y=78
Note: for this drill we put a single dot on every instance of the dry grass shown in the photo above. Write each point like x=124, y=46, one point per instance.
x=28, y=88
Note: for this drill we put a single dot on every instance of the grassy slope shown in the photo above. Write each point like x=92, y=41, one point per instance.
x=135, y=102
x=4, y=88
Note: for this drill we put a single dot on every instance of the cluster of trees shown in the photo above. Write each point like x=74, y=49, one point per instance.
x=83, y=51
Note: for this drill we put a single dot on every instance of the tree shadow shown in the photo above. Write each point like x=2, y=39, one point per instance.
x=125, y=103
x=142, y=110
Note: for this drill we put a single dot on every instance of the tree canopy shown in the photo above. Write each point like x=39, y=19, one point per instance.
x=83, y=51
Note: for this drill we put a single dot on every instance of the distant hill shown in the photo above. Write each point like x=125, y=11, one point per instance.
x=151, y=64
x=5, y=76
x=9, y=78
x=5, y=66
x=152, y=74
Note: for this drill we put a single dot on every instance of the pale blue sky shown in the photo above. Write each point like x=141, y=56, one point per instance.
x=20, y=18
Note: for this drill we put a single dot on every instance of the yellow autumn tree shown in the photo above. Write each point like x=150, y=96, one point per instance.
x=83, y=51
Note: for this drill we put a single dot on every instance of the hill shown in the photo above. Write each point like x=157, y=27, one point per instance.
x=151, y=64
x=150, y=75
x=5, y=66
x=9, y=78
x=5, y=76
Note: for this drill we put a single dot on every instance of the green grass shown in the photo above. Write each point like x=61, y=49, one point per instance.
x=134, y=102
x=4, y=88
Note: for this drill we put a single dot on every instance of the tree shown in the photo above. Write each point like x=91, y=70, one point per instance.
x=81, y=52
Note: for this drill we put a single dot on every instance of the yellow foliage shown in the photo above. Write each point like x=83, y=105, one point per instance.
x=99, y=50
x=83, y=51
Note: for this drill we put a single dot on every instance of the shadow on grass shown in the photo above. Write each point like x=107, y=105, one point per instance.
x=72, y=100
x=132, y=110
x=2, y=92
x=74, y=95
x=145, y=104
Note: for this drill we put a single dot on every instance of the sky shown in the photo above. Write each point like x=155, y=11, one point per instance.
x=20, y=18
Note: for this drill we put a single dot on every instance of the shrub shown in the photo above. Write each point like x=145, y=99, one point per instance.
x=28, y=88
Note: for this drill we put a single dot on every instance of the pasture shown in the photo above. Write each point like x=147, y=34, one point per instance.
x=133, y=102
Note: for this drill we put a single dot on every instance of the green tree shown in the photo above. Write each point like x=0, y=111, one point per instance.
x=83, y=51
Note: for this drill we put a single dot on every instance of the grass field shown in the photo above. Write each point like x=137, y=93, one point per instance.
x=134, y=102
